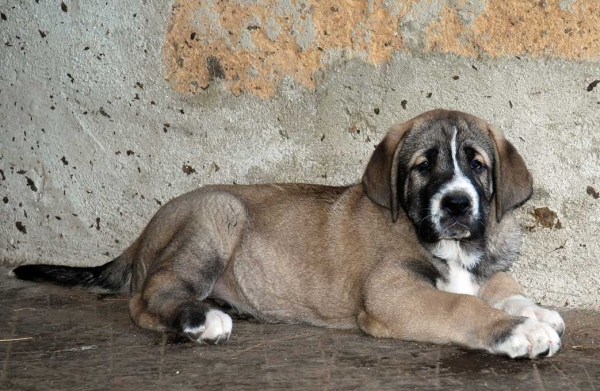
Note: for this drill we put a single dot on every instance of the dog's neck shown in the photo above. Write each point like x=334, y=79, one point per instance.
x=455, y=260
x=457, y=253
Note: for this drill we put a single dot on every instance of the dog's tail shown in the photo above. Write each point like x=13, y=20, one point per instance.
x=111, y=277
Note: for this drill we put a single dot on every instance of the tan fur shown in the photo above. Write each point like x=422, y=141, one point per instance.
x=499, y=287
x=328, y=256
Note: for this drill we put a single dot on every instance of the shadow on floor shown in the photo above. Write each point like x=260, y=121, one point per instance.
x=57, y=339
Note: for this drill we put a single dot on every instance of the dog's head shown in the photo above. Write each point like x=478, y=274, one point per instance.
x=448, y=170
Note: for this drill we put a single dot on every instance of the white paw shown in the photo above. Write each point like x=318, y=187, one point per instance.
x=522, y=306
x=216, y=328
x=529, y=340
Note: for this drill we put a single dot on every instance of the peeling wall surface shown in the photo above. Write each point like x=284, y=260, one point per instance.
x=110, y=109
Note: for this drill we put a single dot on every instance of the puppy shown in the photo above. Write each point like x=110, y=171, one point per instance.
x=418, y=251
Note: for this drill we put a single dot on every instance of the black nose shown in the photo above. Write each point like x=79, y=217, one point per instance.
x=456, y=204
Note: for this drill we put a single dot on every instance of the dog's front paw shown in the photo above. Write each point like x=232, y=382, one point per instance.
x=216, y=328
x=522, y=306
x=529, y=339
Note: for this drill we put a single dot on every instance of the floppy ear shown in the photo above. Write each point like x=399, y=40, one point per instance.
x=513, y=183
x=380, y=180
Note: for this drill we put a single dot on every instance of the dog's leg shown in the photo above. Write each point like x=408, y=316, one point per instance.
x=502, y=292
x=171, y=281
x=170, y=304
x=398, y=305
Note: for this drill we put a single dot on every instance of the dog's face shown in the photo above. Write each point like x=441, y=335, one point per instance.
x=445, y=179
x=448, y=171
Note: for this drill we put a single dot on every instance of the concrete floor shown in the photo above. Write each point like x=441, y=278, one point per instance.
x=56, y=339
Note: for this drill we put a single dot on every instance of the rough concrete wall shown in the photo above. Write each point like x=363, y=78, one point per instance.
x=109, y=110
x=253, y=45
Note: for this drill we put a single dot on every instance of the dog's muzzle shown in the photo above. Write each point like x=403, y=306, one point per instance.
x=455, y=215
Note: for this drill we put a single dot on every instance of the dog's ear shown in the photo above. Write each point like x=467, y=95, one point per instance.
x=380, y=180
x=513, y=184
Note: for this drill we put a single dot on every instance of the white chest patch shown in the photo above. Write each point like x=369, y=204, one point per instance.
x=458, y=279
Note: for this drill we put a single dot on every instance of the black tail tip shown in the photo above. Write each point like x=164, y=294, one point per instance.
x=29, y=273
x=87, y=278
x=53, y=274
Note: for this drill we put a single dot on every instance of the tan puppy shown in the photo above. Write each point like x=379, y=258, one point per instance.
x=417, y=251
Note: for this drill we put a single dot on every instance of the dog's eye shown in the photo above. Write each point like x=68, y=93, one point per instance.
x=423, y=166
x=476, y=165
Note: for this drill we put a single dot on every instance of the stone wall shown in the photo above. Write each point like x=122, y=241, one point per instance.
x=109, y=109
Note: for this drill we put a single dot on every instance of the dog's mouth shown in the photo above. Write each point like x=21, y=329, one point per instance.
x=454, y=228
x=456, y=232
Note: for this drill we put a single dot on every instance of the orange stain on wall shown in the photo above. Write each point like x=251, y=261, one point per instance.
x=536, y=28
x=253, y=44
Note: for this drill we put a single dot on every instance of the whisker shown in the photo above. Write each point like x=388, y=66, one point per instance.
x=421, y=222
x=448, y=227
x=480, y=223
